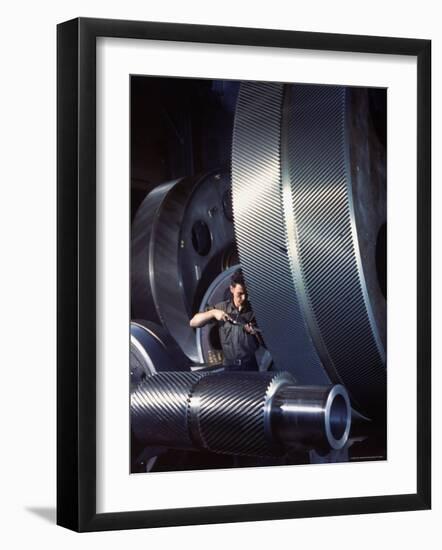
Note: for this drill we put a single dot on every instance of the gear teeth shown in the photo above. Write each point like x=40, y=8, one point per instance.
x=301, y=261
x=159, y=408
x=257, y=196
x=232, y=412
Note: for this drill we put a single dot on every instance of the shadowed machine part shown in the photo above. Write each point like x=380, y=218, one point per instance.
x=238, y=413
x=309, y=203
x=182, y=238
x=153, y=350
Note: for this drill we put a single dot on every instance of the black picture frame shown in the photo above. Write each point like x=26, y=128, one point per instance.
x=76, y=273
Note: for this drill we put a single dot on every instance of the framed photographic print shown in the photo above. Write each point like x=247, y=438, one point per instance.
x=233, y=205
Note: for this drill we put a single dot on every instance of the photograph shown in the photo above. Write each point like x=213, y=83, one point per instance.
x=225, y=246
x=234, y=206
x=258, y=274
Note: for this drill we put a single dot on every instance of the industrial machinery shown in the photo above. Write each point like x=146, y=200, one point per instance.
x=305, y=178
x=182, y=238
x=239, y=413
x=303, y=212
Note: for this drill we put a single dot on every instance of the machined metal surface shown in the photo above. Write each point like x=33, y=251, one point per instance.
x=229, y=412
x=159, y=409
x=182, y=238
x=261, y=232
x=306, y=231
x=152, y=351
x=322, y=416
x=239, y=413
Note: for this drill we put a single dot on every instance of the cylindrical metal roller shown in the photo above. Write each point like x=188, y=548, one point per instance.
x=159, y=409
x=229, y=412
x=182, y=238
x=309, y=201
x=239, y=413
x=152, y=350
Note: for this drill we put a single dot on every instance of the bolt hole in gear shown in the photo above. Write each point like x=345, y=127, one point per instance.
x=201, y=238
x=287, y=183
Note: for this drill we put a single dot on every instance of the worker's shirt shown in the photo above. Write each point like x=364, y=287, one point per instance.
x=235, y=341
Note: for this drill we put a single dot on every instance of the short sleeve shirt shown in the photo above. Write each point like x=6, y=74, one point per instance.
x=235, y=341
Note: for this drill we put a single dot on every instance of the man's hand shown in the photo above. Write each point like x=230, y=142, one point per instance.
x=249, y=329
x=204, y=317
x=220, y=315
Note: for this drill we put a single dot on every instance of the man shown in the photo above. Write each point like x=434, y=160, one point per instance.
x=235, y=319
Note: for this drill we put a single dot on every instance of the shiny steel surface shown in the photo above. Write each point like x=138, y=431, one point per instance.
x=228, y=412
x=182, y=238
x=159, y=409
x=152, y=350
x=261, y=231
x=333, y=289
x=239, y=413
x=305, y=264
x=142, y=251
x=320, y=414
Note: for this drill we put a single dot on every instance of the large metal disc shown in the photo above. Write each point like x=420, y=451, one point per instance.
x=182, y=238
x=307, y=251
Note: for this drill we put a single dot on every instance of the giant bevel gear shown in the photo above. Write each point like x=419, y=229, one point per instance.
x=309, y=205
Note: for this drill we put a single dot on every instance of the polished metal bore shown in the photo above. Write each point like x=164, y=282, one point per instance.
x=309, y=203
x=239, y=413
x=319, y=417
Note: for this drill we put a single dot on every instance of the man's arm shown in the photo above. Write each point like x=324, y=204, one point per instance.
x=201, y=319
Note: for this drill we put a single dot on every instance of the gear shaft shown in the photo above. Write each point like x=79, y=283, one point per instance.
x=239, y=413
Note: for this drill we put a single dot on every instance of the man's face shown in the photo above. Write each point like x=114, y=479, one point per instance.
x=239, y=295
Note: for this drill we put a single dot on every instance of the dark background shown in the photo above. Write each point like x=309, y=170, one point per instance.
x=179, y=127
